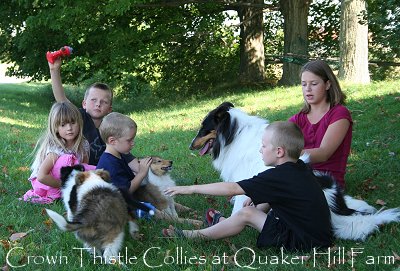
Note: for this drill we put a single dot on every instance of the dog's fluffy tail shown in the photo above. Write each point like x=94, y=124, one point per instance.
x=62, y=223
x=359, y=226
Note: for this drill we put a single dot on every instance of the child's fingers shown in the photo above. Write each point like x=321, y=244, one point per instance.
x=171, y=191
x=147, y=160
x=168, y=192
x=145, y=163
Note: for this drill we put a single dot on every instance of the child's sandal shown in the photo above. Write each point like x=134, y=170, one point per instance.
x=211, y=221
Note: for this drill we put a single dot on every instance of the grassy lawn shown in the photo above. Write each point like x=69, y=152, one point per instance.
x=166, y=130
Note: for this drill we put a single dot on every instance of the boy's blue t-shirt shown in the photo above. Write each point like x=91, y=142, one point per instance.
x=120, y=172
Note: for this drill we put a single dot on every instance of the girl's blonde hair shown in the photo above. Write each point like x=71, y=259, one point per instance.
x=63, y=112
x=335, y=94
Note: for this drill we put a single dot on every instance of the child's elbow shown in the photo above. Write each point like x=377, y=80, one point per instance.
x=237, y=190
x=324, y=157
x=320, y=156
x=41, y=178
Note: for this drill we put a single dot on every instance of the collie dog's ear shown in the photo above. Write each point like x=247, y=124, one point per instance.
x=221, y=111
x=81, y=177
x=226, y=104
x=104, y=174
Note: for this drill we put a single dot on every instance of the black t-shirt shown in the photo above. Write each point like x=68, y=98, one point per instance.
x=300, y=216
x=97, y=145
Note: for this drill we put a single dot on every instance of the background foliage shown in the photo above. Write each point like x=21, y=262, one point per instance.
x=384, y=24
x=167, y=46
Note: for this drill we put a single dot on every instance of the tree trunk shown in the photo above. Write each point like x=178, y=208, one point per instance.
x=295, y=48
x=252, y=69
x=353, y=65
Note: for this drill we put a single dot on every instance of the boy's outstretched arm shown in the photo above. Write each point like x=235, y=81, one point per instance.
x=215, y=189
x=56, y=83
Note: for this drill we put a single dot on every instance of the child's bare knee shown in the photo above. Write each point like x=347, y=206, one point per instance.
x=247, y=213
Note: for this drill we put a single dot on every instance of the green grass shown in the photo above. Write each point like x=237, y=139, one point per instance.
x=166, y=129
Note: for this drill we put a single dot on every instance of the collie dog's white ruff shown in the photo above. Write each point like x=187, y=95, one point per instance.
x=162, y=182
x=99, y=226
x=240, y=159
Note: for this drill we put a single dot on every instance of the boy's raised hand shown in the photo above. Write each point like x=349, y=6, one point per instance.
x=56, y=84
x=56, y=65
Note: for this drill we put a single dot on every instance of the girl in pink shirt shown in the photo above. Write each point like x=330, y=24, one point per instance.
x=61, y=145
x=325, y=121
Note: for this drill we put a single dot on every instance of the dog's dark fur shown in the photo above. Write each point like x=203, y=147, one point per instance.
x=233, y=138
x=339, y=205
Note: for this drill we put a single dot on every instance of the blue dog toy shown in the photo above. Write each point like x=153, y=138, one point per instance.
x=143, y=214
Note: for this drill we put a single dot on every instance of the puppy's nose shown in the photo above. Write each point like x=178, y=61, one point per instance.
x=171, y=162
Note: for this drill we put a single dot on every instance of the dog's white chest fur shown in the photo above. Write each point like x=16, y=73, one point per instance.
x=66, y=193
x=163, y=182
x=93, y=182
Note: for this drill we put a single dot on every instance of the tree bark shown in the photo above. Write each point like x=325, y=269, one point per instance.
x=252, y=69
x=353, y=64
x=295, y=48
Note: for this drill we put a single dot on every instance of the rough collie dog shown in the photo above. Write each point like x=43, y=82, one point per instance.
x=152, y=191
x=233, y=139
x=96, y=211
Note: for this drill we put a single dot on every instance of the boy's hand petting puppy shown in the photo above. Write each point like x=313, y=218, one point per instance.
x=179, y=190
x=144, y=165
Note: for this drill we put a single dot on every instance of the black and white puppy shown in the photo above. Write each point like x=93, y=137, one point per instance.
x=96, y=211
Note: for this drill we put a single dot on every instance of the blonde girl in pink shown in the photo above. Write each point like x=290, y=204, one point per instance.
x=61, y=145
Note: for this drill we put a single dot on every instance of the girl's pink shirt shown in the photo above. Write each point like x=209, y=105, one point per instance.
x=314, y=133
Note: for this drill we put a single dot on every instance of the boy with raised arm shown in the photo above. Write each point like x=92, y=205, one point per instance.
x=96, y=103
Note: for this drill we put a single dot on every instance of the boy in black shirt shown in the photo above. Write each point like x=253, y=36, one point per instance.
x=299, y=216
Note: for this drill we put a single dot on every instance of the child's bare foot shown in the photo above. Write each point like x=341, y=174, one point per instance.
x=172, y=232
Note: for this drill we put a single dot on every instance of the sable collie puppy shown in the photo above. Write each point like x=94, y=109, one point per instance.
x=96, y=211
x=152, y=190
